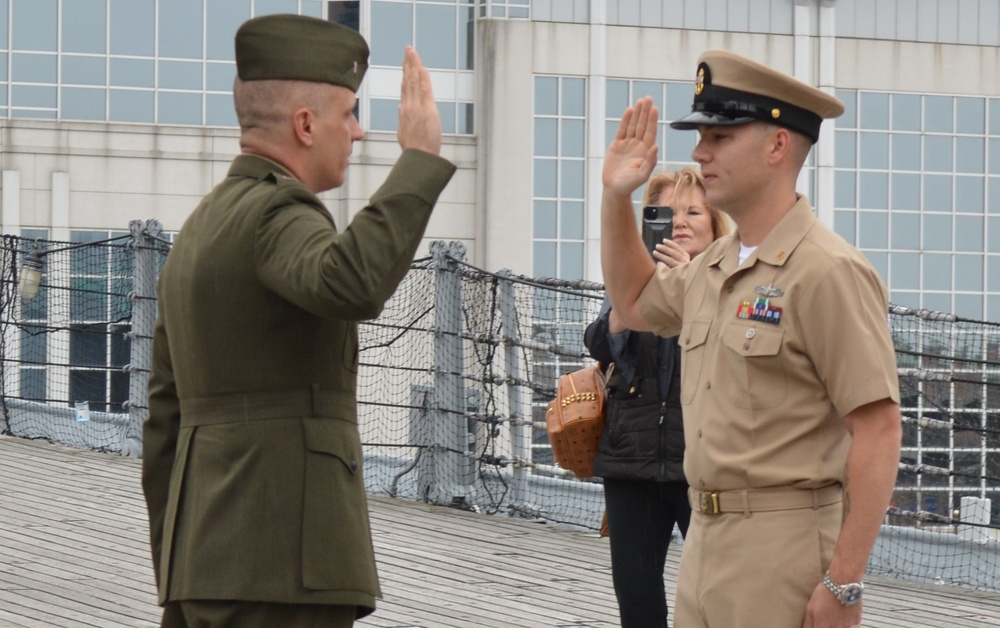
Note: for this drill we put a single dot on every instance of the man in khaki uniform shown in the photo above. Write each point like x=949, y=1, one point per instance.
x=790, y=394
x=252, y=457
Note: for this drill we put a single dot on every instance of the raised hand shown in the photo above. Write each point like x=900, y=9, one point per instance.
x=419, y=120
x=632, y=155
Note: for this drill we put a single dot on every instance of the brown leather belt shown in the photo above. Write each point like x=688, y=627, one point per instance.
x=763, y=499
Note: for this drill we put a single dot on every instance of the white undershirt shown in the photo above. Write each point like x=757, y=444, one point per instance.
x=745, y=252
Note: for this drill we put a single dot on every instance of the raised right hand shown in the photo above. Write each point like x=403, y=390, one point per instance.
x=419, y=120
x=631, y=156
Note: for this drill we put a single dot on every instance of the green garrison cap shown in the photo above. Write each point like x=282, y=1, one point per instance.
x=730, y=89
x=296, y=47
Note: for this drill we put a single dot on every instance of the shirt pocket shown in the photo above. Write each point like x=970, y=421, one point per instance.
x=693, y=339
x=756, y=373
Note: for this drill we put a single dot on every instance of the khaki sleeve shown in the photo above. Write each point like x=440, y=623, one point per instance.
x=662, y=300
x=846, y=333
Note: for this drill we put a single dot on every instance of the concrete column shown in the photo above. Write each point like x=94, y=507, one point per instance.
x=826, y=148
x=60, y=206
x=596, y=113
x=10, y=198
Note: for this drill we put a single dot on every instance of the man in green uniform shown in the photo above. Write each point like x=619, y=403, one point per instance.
x=789, y=386
x=252, y=456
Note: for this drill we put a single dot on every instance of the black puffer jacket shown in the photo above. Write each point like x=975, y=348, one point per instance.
x=643, y=436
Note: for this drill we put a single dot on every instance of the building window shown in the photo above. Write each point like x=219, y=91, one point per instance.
x=99, y=281
x=443, y=32
x=559, y=176
x=34, y=340
x=917, y=189
x=146, y=61
x=505, y=8
x=345, y=13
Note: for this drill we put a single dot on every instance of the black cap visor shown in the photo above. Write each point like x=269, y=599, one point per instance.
x=695, y=119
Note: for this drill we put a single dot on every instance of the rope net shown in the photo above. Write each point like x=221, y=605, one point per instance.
x=454, y=379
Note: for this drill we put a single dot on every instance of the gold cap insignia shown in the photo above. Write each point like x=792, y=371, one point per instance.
x=699, y=83
x=776, y=113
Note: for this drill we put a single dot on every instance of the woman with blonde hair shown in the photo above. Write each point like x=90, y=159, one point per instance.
x=641, y=451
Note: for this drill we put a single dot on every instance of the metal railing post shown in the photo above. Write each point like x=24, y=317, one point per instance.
x=143, y=298
x=451, y=466
x=518, y=408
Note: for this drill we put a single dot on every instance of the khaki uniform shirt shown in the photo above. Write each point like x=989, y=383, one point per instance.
x=763, y=399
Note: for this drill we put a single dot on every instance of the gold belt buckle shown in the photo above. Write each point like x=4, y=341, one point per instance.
x=708, y=503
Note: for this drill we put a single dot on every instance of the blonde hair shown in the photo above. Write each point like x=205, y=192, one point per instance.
x=682, y=179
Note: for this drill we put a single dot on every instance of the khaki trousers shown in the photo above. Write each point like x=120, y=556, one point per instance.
x=754, y=571
x=237, y=614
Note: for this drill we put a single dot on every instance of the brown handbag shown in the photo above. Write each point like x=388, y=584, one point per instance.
x=575, y=419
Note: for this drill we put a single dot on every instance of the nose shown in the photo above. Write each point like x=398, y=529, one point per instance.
x=357, y=133
x=699, y=154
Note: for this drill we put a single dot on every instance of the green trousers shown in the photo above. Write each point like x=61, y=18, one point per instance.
x=237, y=614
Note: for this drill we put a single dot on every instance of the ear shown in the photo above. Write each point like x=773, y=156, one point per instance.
x=780, y=146
x=303, y=125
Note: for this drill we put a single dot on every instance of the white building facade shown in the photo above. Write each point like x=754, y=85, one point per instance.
x=112, y=110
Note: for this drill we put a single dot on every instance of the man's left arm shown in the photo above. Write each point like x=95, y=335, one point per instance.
x=159, y=441
x=869, y=480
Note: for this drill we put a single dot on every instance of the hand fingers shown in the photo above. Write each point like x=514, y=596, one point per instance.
x=426, y=87
x=642, y=118
x=662, y=253
x=624, y=123
x=672, y=253
x=652, y=124
x=639, y=122
x=416, y=80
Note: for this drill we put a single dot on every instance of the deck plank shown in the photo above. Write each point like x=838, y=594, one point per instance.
x=73, y=552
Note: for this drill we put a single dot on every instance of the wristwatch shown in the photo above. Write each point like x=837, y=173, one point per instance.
x=847, y=594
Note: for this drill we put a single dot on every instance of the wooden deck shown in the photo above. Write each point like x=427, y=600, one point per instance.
x=73, y=553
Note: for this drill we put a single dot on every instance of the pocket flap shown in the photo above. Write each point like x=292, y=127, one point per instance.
x=694, y=334
x=753, y=340
x=336, y=438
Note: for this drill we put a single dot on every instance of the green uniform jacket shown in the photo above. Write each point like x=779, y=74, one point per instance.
x=252, y=456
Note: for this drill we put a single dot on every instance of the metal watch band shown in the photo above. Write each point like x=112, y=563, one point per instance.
x=847, y=594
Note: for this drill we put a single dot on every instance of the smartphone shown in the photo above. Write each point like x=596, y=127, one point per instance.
x=657, y=224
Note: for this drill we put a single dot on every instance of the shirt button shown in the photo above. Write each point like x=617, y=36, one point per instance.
x=699, y=433
x=354, y=466
x=701, y=482
x=708, y=386
x=751, y=332
x=729, y=289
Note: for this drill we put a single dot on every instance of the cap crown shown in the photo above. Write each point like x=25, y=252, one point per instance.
x=296, y=47
x=731, y=89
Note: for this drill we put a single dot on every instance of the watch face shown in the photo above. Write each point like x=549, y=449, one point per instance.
x=850, y=594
